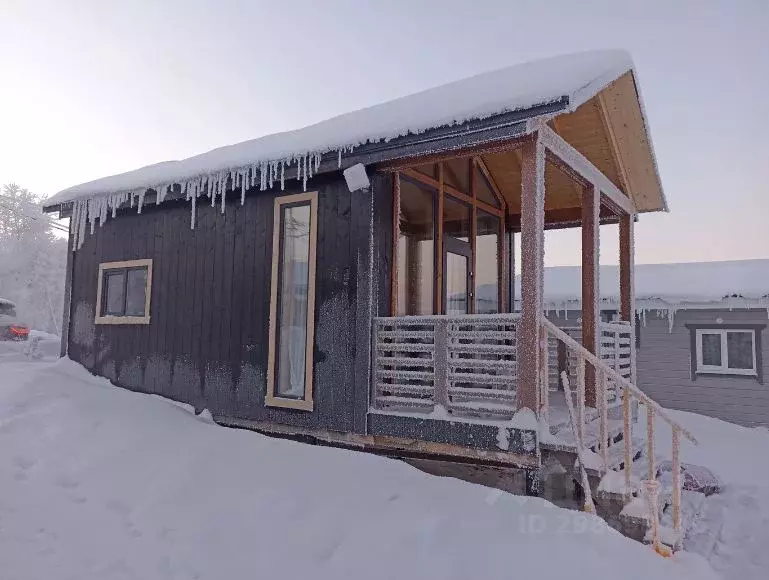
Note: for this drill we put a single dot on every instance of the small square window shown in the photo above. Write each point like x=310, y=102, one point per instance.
x=123, y=292
x=726, y=351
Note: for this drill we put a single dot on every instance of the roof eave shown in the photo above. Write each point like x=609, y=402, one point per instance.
x=433, y=141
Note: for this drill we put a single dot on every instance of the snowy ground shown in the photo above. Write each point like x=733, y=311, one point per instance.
x=99, y=482
x=734, y=528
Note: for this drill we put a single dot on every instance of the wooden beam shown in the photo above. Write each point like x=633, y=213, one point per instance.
x=574, y=163
x=532, y=262
x=609, y=128
x=484, y=149
x=473, y=233
x=438, y=301
x=452, y=191
x=562, y=218
x=396, y=236
x=575, y=185
x=591, y=312
x=627, y=283
x=494, y=187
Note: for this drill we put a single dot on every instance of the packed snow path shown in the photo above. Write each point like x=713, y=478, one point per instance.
x=99, y=482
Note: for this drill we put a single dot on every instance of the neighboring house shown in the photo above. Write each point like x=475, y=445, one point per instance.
x=323, y=282
x=701, y=338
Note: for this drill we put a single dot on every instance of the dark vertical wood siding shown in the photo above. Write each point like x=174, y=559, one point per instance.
x=207, y=342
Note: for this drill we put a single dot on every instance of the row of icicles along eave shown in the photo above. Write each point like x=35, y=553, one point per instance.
x=89, y=210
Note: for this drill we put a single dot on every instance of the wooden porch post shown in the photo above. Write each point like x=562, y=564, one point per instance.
x=627, y=282
x=532, y=267
x=591, y=312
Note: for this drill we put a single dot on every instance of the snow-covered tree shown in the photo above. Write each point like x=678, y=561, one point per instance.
x=32, y=259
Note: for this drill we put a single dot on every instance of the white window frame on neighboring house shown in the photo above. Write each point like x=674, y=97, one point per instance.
x=104, y=269
x=723, y=368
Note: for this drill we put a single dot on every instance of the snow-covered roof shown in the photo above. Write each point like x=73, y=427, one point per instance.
x=575, y=78
x=672, y=284
x=5, y=302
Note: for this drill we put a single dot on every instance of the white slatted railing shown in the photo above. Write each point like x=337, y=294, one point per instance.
x=605, y=374
x=466, y=364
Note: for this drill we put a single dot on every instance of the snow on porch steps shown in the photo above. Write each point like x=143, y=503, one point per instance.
x=99, y=482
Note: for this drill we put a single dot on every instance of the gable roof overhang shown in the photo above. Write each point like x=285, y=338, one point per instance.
x=599, y=97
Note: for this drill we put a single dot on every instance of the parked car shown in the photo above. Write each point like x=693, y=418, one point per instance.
x=10, y=327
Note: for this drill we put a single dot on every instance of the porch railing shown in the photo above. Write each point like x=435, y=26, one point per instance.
x=464, y=364
x=604, y=375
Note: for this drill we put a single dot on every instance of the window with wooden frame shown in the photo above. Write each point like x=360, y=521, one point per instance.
x=449, y=226
x=123, y=292
x=292, y=302
x=726, y=351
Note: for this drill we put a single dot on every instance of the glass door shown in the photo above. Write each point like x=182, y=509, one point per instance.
x=457, y=276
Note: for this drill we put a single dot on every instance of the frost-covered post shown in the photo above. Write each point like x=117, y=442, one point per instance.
x=591, y=205
x=532, y=267
x=627, y=282
x=677, y=480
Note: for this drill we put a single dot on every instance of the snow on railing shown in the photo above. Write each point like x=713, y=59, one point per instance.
x=604, y=373
x=464, y=364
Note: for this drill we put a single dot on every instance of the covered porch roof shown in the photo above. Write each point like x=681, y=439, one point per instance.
x=590, y=99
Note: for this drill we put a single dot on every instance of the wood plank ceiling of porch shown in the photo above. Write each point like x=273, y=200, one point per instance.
x=609, y=131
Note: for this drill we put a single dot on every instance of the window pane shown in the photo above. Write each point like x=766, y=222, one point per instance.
x=293, y=284
x=456, y=284
x=115, y=298
x=416, y=248
x=711, y=349
x=456, y=219
x=739, y=350
x=487, y=264
x=456, y=172
x=483, y=188
x=135, y=292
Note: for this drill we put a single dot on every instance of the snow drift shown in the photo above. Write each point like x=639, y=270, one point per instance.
x=99, y=482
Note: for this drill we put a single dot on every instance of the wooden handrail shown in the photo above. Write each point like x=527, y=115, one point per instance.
x=616, y=377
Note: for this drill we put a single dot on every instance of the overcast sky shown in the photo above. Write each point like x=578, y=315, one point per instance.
x=91, y=88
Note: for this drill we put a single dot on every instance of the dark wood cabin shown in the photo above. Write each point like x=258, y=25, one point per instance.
x=382, y=317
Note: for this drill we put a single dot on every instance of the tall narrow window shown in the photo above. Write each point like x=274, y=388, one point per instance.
x=292, y=302
x=123, y=292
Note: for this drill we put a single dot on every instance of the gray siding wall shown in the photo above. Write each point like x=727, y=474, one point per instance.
x=664, y=369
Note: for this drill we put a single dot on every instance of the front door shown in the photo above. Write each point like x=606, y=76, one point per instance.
x=457, y=276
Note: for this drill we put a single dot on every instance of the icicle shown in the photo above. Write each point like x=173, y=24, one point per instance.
x=282, y=175
x=263, y=176
x=141, y=202
x=304, y=173
x=270, y=172
x=298, y=168
x=224, y=194
x=671, y=318
x=339, y=158
x=192, y=213
x=243, y=188
x=317, y=162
